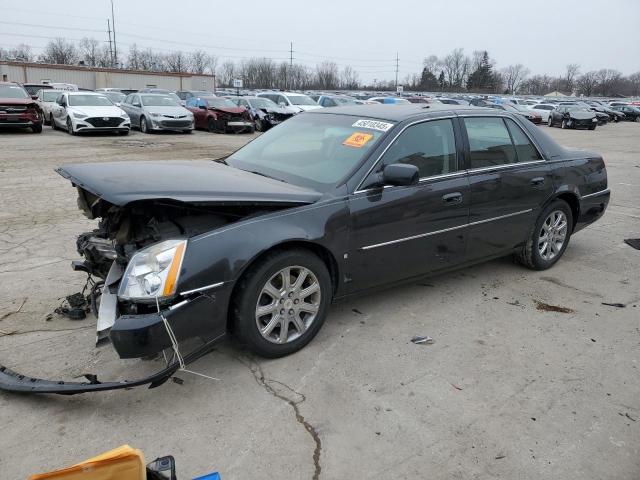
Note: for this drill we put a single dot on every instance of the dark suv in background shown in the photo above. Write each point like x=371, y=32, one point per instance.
x=18, y=109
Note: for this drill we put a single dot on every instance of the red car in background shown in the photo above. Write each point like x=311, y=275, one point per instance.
x=18, y=109
x=218, y=114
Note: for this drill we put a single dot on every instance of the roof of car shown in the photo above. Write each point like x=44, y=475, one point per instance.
x=84, y=92
x=397, y=113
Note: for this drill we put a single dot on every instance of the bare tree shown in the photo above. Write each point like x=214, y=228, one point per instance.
x=176, y=62
x=634, y=82
x=201, y=62
x=133, y=59
x=586, y=83
x=431, y=63
x=456, y=68
x=349, y=79
x=228, y=73
x=60, y=51
x=89, y=51
x=327, y=77
x=573, y=69
x=513, y=76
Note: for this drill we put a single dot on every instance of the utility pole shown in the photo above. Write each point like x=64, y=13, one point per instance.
x=291, y=56
x=288, y=76
x=115, y=45
x=397, y=65
x=110, y=48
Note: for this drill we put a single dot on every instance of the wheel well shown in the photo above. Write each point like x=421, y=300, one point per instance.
x=573, y=202
x=322, y=252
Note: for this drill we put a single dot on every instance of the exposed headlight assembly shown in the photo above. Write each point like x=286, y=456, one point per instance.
x=153, y=271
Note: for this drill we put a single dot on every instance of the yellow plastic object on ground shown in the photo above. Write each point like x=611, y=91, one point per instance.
x=122, y=463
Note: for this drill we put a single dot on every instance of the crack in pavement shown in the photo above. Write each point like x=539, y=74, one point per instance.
x=266, y=383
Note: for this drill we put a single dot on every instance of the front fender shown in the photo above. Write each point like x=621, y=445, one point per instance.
x=222, y=255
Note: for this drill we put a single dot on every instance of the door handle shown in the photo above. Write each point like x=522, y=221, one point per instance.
x=452, y=198
x=538, y=181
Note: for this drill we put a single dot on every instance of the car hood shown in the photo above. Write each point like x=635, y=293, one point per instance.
x=202, y=182
x=232, y=110
x=168, y=110
x=580, y=115
x=97, y=111
x=16, y=101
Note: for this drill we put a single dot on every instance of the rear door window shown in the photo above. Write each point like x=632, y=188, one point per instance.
x=525, y=150
x=489, y=142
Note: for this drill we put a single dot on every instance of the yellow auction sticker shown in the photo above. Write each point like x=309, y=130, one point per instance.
x=358, y=139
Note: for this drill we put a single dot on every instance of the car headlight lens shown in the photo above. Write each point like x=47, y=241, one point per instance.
x=155, y=115
x=594, y=120
x=78, y=115
x=153, y=271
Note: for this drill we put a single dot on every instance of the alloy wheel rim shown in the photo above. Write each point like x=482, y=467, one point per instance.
x=288, y=304
x=553, y=235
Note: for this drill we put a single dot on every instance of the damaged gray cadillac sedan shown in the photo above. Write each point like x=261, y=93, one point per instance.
x=326, y=205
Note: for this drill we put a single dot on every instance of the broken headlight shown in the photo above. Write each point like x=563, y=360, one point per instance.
x=153, y=271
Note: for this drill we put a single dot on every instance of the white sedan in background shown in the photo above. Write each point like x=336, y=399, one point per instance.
x=78, y=112
x=47, y=101
x=543, y=110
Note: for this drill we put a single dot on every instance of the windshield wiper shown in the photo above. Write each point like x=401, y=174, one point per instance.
x=222, y=160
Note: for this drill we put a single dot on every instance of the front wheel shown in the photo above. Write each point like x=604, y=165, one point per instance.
x=550, y=121
x=563, y=124
x=37, y=128
x=638, y=119
x=548, y=238
x=592, y=127
x=211, y=125
x=144, y=125
x=70, y=127
x=282, y=302
x=259, y=125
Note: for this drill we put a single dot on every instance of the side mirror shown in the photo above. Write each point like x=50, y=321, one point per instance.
x=34, y=97
x=118, y=104
x=400, y=174
x=136, y=104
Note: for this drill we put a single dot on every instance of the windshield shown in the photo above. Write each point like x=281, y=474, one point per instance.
x=301, y=100
x=261, y=103
x=158, y=101
x=115, y=97
x=217, y=102
x=89, y=101
x=311, y=150
x=50, y=95
x=12, y=91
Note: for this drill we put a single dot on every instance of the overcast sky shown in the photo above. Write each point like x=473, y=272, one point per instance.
x=544, y=35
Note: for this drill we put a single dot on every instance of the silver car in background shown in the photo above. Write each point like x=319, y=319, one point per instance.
x=47, y=99
x=157, y=111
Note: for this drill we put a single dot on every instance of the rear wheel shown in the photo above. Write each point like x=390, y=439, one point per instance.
x=549, y=237
x=282, y=302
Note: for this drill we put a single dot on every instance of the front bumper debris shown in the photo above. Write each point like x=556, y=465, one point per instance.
x=15, y=382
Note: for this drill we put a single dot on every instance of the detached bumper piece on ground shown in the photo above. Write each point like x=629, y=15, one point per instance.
x=15, y=382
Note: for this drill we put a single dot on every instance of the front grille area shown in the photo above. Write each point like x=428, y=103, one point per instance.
x=12, y=109
x=175, y=123
x=100, y=122
x=174, y=116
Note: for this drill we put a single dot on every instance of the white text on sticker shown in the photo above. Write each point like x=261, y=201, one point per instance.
x=373, y=124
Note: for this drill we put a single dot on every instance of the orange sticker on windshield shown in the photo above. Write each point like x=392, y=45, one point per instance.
x=358, y=139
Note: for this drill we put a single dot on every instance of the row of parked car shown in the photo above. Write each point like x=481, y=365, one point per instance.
x=153, y=109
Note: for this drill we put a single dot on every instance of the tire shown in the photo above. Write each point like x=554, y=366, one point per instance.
x=638, y=119
x=211, y=125
x=187, y=131
x=70, y=127
x=550, y=121
x=144, y=125
x=592, y=127
x=267, y=274
x=563, y=125
x=531, y=256
x=37, y=128
x=53, y=124
x=259, y=125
